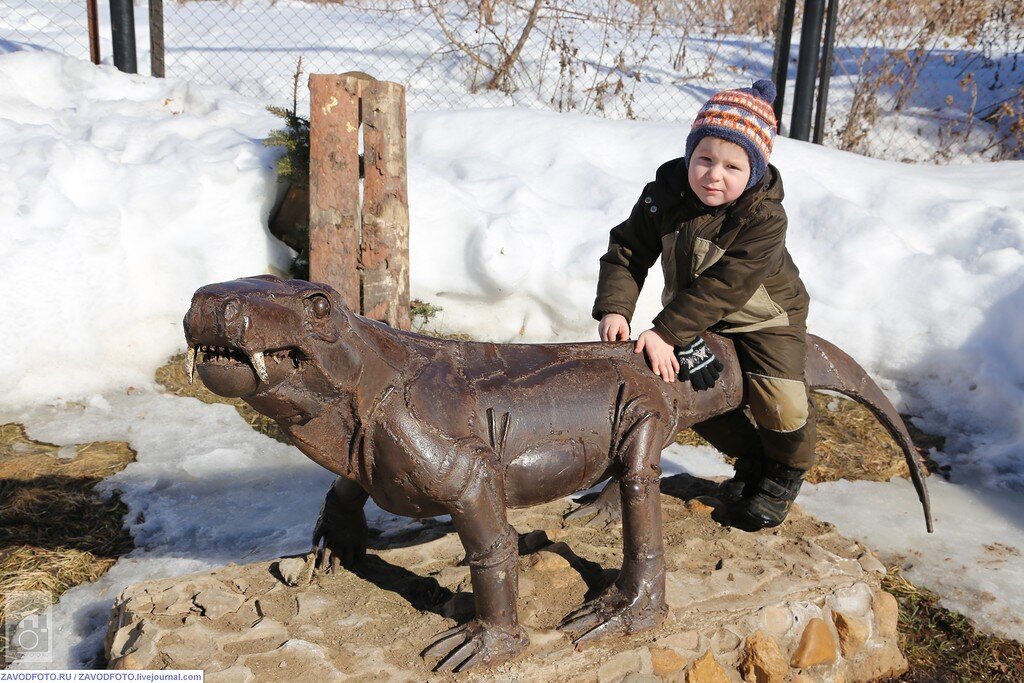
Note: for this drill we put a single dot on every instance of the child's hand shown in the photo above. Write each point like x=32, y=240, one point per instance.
x=613, y=327
x=660, y=354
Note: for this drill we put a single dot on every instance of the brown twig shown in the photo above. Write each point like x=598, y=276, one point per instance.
x=501, y=76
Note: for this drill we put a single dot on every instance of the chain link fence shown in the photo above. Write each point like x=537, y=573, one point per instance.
x=912, y=80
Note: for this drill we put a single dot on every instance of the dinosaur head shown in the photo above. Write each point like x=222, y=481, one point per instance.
x=263, y=336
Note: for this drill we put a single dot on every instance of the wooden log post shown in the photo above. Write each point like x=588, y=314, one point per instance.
x=361, y=248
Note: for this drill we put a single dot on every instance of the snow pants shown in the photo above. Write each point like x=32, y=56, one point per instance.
x=775, y=390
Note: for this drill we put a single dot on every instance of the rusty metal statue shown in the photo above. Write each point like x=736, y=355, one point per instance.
x=430, y=427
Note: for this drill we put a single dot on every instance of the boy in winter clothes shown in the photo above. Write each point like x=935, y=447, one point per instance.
x=716, y=219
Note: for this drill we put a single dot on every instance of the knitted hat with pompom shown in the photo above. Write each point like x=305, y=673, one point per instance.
x=745, y=117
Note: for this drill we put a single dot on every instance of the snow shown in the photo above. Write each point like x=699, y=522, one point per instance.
x=120, y=195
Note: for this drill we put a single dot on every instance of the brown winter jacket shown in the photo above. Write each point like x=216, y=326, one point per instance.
x=726, y=268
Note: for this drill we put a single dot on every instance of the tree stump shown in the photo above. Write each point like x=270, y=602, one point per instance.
x=359, y=241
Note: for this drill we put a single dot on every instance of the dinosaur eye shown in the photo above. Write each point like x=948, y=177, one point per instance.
x=319, y=306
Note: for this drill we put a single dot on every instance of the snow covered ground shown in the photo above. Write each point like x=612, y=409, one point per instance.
x=119, y=195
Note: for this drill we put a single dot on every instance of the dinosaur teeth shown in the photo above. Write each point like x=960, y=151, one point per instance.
x=190, y=363
x=260, y=365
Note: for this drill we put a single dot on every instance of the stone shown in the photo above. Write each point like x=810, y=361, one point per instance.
x=702, y=505
x=641, y=678
x=725, y=640
x=235, y=674
x=619, y=666
x=853, y=633
x=126, y=662
x=548, y=561
x=707, y=670
x=870, y=563
x=299, y=660
x=777, y=619
x=887, y=611
x=802, y=678
x=884, y=663
x=762, y=660
x=216, y=602
x=665, y=661
x=293, y=570
x=193, y=646
x=854, y=601
x=817, y=646
x=686, y=641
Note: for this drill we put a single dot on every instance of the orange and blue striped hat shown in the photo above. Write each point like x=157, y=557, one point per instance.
x=743, y=116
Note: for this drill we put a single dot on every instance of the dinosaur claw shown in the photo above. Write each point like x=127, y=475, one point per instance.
x=460, y=655
x=475, y=644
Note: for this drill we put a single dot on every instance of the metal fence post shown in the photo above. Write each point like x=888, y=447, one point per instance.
x=807, y=69
x=122, y=33
x=156, y=38
x=92, y=15
x=780, y=64
x=826, y=71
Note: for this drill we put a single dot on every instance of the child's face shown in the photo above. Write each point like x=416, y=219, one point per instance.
x=718, y=171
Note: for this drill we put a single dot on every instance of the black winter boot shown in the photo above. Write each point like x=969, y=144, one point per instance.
x=743, y=481
x=771, y=499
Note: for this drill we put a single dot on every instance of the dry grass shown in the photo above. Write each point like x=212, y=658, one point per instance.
x=943, y=646
x=55, y=532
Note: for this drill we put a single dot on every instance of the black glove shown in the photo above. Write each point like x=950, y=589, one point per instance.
x=698, y=364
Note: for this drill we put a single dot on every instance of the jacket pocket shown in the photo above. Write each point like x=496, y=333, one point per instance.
x=705, y=254
x=759, y=312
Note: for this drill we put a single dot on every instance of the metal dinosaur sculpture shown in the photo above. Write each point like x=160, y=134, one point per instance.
x=429, y=427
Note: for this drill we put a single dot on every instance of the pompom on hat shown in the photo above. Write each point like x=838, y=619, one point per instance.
x=743, y=116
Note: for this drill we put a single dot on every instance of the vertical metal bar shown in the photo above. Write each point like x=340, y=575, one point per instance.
x=826, y=71
x=807, y=69
x=156, y=38
x=92, y=15
x=780, y=65
x=122, y=33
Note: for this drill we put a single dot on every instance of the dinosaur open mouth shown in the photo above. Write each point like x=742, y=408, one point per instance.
x=229, y=371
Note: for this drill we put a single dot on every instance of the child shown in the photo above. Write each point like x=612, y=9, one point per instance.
x=715, y=216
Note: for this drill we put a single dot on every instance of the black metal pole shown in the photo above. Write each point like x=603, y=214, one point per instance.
x=91, y=15
x=807, y=69
x=122, y=33
x=826, y=71
x=156, y=38
x=780, y=65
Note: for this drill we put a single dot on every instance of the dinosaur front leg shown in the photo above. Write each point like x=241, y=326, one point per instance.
x=636, y=601
x=492, y=551
x=341, y=526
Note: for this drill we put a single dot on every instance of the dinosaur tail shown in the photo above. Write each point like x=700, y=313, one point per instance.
x=828, y=367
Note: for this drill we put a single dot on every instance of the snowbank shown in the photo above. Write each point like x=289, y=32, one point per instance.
x=119, y=196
